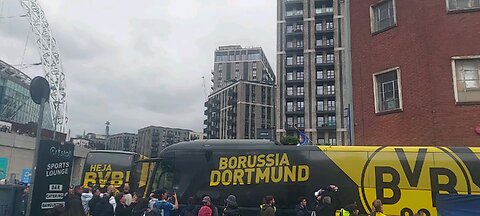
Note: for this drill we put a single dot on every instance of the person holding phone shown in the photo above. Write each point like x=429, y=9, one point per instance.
x=163, y=205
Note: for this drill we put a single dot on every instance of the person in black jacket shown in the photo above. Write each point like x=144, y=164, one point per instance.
x=327, y=202
x=93, y=202
x=140, y=208
x=122, y=209
x=103, y=207
x=190, y=209
x=231, y=206
x=301, y=207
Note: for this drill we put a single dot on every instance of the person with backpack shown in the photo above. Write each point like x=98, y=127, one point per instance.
x=190, y=209
x=165, y=208
x=267, y=209
x=231, y=206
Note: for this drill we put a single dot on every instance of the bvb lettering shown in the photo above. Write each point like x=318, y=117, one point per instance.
x=253, y=169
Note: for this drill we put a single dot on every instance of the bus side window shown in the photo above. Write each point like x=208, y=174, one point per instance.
x=142, y=175
x=163, y=175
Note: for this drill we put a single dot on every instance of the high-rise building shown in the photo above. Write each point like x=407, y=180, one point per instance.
x=233, y=63
x=153, y=139
x=308, y=82
x=416, y=72
x=16, y=104
x=122, y=141
x=242, y=102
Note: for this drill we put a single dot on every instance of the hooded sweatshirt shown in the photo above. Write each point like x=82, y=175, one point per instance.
x=231, y=207
x=86, y=197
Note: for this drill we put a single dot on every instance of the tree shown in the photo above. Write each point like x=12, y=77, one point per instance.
x=289, y=140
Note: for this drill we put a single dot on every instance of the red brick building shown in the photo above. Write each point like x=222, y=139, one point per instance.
x=416, y=72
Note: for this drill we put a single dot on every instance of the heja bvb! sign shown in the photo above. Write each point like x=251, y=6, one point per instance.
x=52, y=176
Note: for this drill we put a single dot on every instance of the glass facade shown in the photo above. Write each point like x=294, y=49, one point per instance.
x=16, y=104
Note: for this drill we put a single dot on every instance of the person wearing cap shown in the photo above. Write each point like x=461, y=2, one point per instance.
x=206, y=209
x=231, y=206
x=163, y=205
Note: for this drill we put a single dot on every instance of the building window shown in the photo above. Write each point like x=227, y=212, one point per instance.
x=300, y=75
x=331, y=121
x=289, y=121
x=254, y=74
x=289, y=76
x=319, y=42
x=320, y=75
x=332, y=141
x=467, y=79
x=299, y=43
x=330, y=42
x=330, y=74
x=299, y=60
x=320, y=105
x=330, y=89
x=254, y=66
x=301, y=121
x=289, y=29
x=331, y=105
x=329, y=25
x=290, y=60
x=319, y=59
x=320, y=121
x=300, y=90
x=319, y=26
x=321, y=141
x=289, y=90
x=289, y=44
x=387, y=90
x=455, y=5
x=300, y=105
x=289, y=106
x=320, y=90
x=330, y=58
x=382, y=15
x=299, y=28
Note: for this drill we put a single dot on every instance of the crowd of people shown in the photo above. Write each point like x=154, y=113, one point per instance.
x=91, y=202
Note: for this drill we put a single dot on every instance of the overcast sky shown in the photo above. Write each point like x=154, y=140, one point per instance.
x=138, y=63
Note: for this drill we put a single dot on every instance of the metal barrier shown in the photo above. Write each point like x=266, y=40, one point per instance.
x=11, y=200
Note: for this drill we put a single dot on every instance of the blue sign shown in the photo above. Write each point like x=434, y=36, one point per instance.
x=3, y=168
x=26, y=175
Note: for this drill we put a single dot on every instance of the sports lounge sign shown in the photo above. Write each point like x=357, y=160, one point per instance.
x=52, y=176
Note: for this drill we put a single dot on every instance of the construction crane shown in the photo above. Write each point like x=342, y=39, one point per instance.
x=52, y=66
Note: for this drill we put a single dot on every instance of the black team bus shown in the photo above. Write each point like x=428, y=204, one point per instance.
x=119, y=168
x=405, y=179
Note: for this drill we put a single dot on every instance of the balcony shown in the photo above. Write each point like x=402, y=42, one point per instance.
x=299, y=49
x=293, y=1
x=325, y=95
x=325, y=111
x=327, y=126
x=294, y=81
x=295, y=32
x=294, y=14
x=295, y=66
x=294, y=96
x=324, y=11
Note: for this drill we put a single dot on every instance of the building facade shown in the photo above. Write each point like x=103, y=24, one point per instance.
x=240, y=110
x=243, y=94
x=16, y=104
x=122, y=142
x=153, y=139
x=233, y=63
x=416, y=72
x=307, y=83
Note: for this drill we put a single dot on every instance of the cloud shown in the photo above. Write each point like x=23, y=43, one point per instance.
x=140, y=64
